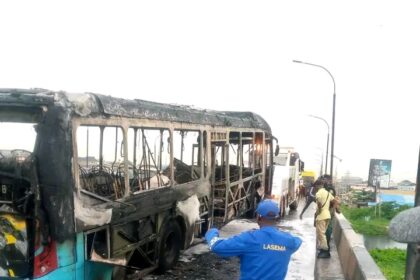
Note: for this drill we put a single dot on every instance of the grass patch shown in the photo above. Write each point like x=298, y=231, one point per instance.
x=375, y=227
x=367, y=221
x=391, y=262
x=362, y=221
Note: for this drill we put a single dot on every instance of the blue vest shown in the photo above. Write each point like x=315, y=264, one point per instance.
x=264, y=253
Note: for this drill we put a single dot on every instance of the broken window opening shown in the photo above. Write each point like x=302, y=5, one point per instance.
x=17, y=136
x=101, y=160
x=188, y=157
x=258, y=152
x=234, y=156
x=247, y=154
x=149, y=158
x=219, y=162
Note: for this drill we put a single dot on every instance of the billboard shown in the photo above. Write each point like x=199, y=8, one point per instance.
x=379, y=173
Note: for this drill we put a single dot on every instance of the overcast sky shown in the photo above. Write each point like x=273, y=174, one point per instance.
x=237, y=55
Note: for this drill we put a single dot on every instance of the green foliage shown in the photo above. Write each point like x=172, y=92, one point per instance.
x=391, y=262
x=363, y=196
x=376, y=227
x=372, y=220
x=390, y=209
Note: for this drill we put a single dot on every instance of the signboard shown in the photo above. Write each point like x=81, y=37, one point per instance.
x=379, y=173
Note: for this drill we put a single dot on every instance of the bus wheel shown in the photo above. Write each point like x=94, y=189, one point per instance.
x=170, y=246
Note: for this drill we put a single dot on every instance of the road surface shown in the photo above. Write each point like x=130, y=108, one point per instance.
x=198, y=263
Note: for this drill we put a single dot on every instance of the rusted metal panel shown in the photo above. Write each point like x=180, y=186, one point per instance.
x=26, y=97
x=90, y=104
x=159, y=111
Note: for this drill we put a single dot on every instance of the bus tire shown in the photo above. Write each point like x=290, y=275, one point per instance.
x=170, y=246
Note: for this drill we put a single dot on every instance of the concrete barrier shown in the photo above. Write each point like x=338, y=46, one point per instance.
x=356, y=262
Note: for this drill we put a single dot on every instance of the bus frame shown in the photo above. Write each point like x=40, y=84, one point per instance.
x=86, y=235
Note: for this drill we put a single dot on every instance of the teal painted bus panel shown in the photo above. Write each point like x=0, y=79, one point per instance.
x=80, y=256
x=66, y=253
x=96, y=270
x=73, y=265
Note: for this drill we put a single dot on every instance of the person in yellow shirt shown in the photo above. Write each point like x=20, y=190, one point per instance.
x=334, y=205
x=323, y=217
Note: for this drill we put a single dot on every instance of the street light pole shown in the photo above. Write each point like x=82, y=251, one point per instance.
x=328, y=141
x=333, y=112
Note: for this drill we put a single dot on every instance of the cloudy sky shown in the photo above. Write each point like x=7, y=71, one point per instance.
x=237, y=55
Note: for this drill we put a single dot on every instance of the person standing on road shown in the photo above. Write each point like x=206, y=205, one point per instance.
x=264, y=253
x=334, y=206
x=310, y=197
x=323, y=217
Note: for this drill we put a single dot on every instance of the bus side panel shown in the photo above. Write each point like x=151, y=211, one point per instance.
x=81, y=269
x=66, y=253
x=95, y=270
x=87, y=269
x=80, y=251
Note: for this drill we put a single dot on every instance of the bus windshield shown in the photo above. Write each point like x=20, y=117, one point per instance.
x=17, y=136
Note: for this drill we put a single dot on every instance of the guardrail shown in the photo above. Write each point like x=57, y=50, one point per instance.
x=356, y=262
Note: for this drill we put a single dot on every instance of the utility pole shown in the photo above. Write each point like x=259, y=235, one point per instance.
x=333, y=113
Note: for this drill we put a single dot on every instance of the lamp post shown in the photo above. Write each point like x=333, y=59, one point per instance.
x=333, y=112
x=339, y=187
x=328, y=141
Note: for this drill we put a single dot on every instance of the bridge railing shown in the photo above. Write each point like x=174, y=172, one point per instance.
x=356, y=262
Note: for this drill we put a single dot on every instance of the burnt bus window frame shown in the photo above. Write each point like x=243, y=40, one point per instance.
x=125, y=124
x=182, y=171
x=117, y=179
x=259, y=153
x=248, y=148
x=149, y=157
x=205, y=148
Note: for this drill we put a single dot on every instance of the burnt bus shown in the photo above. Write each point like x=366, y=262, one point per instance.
x=94, y=187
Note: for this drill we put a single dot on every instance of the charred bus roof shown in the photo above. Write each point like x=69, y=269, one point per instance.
x=92, y=104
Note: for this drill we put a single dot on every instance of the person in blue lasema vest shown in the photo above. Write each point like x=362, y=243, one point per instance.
x=264, y=253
